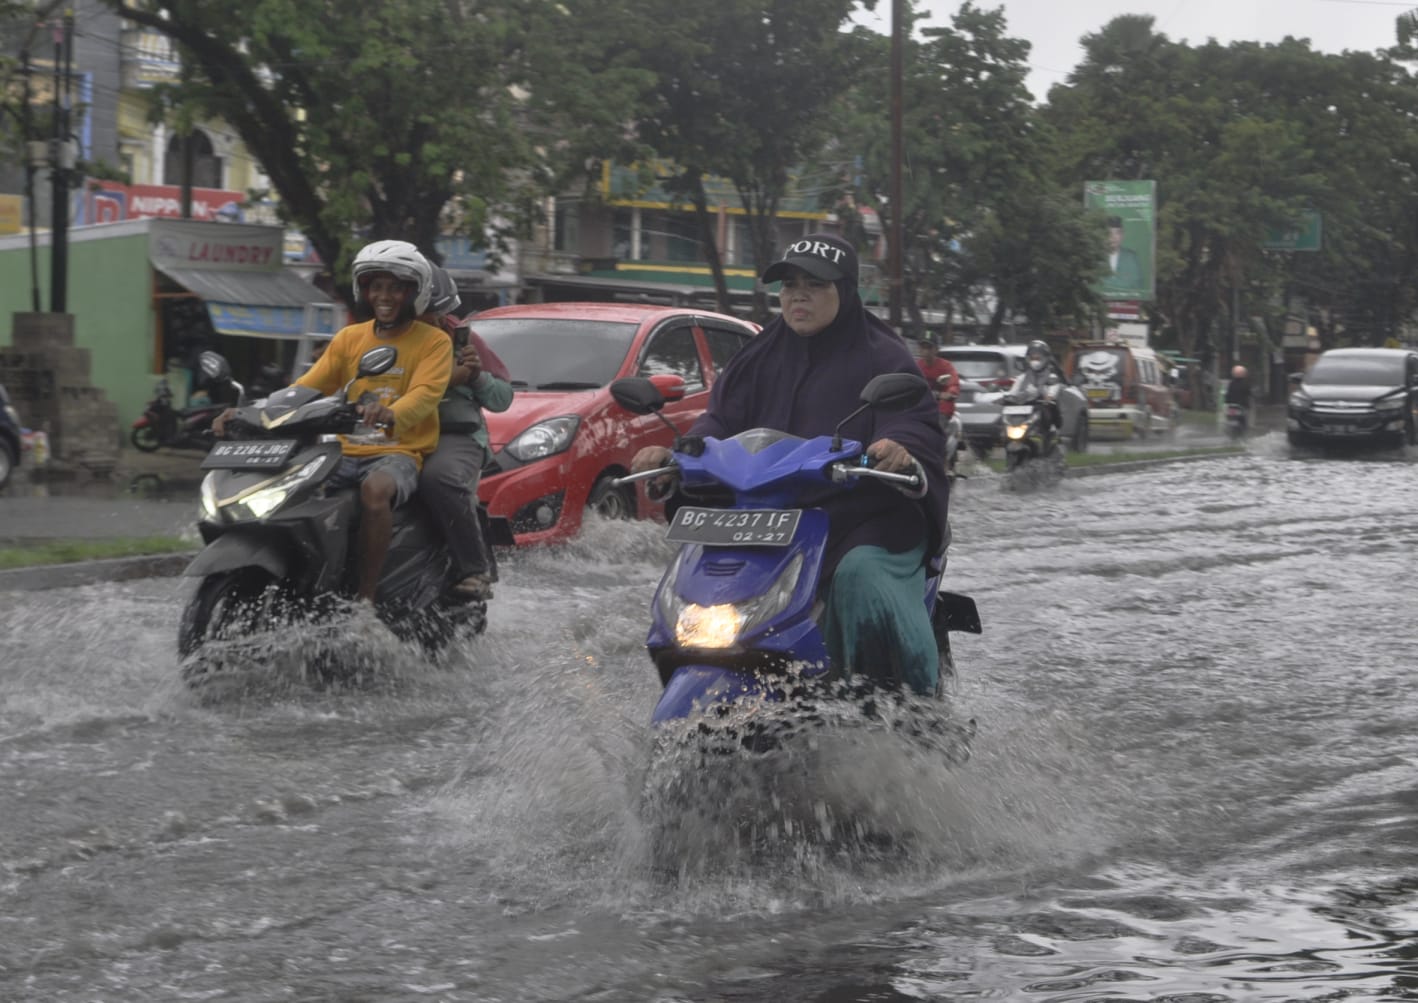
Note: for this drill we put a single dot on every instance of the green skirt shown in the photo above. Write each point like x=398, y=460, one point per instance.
x=875, y=623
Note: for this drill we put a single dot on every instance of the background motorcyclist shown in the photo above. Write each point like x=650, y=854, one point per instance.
x=944, y=379
x=1042, y=379
x=1238, y=392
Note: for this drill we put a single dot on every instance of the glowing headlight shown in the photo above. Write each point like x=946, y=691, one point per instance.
x=263, y=500
x=1015, y=431
x=708, y=626
x=545, y=438
x=721, y=626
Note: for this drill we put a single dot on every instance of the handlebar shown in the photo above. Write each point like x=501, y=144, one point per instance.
x=840, y=472
x=844, y=471
x=644, y=475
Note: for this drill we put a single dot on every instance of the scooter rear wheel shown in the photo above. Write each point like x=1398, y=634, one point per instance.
x=144, y=438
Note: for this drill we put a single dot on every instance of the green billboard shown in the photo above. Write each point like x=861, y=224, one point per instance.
x=1131, y=211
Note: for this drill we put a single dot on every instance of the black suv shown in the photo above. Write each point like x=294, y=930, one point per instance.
x=9, y=438
x=1356, y=395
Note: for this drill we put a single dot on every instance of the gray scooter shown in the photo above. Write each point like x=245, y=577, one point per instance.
x=281, y=545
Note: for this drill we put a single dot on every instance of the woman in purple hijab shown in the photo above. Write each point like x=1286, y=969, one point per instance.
x=803, y=374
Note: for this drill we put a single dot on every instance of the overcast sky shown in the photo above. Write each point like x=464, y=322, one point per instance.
x=1053, y=27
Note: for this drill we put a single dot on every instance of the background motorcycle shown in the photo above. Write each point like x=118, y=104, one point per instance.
x=1236, y=421
x=1031, y=441
x=282, y=548
x=162, y=425
x=735, y=615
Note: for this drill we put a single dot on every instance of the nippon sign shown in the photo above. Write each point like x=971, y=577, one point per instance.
x=228, y=246
x=112, y=203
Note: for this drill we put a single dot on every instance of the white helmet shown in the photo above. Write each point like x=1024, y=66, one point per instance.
x=400, y=259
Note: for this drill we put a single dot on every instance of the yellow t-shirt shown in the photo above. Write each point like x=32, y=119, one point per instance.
x=411, y=388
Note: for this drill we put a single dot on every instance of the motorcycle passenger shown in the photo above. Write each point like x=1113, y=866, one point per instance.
x=803, y=374
x=1238, y=392
x=448, y=482
x=1042, y=379
x=392, y=284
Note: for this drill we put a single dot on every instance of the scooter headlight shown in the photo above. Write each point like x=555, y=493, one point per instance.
x=1015, y=432
x=722, y=626
x=266, y=498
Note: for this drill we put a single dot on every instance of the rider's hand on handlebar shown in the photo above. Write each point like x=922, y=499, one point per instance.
x=377, y=416
x=890, y=456
x=219, y=422
x=649, y=458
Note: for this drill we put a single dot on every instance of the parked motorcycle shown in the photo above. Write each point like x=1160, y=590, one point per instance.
x=162, y=425
x=282, y=547
x=1031, y=442
x=1236, y=421
x=735, y=616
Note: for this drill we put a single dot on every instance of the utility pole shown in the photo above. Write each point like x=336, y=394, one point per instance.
x=897, y=229
x=61, y=162
x=35, y=154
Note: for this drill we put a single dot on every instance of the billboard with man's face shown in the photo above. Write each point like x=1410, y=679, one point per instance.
x=1131, y=210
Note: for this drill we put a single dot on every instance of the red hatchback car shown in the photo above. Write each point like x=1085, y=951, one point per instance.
x=557, y=448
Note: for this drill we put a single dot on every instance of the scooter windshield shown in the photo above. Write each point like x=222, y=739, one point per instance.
x=755, y=440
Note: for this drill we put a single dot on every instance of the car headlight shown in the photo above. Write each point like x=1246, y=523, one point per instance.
x=1299, y=400
x=545, y=438
x=722, y=626
x=1390, y=404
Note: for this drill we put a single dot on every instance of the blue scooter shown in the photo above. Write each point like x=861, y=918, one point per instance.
x=735, y=616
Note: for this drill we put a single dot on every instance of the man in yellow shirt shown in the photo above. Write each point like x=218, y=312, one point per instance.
x=393, y=282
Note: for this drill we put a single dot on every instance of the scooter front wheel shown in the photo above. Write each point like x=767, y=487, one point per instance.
x=228, y=605
x=144, y=438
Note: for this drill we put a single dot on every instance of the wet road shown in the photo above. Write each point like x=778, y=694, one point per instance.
x=1194, y=780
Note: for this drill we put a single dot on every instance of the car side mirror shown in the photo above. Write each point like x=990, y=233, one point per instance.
x=671, y=386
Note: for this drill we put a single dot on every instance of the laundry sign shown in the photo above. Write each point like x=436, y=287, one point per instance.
x=225, y=246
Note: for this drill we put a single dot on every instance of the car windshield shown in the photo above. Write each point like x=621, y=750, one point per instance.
x=978, y=365
x=558, y=353
x=1356, y=371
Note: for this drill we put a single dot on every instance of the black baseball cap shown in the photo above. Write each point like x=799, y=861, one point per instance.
x=822, y=255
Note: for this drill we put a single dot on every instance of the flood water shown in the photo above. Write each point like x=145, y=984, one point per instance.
x=1195, y=778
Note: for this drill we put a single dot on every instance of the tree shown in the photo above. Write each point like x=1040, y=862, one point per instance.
x=741, y=91
x=396, y=120
x=1241, y=139
x=983, y=219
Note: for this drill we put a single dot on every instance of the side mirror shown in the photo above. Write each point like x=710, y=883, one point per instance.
x=640, y=395
x=894, y=391
x=887, y=392
x=671, y=387
x=213, y=367
x=377, y=360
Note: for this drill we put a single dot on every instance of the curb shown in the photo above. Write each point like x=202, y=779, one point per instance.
x=113, y=569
